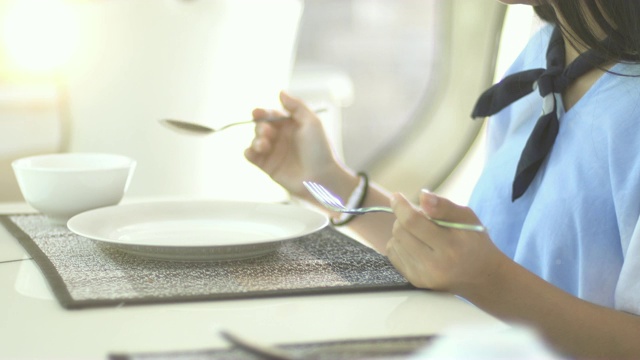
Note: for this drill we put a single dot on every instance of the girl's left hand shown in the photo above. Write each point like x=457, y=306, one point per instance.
x=439, y=258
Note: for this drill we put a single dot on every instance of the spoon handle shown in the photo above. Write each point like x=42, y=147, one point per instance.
x=268, y=119
x=280, y=118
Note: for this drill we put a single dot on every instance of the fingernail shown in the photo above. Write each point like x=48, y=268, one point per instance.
x=284, y=95
x=258, y=145
x=394, y=200
x=429, y=197
x=260, y=129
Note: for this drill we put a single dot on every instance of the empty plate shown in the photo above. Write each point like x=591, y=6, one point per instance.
x=197, y=230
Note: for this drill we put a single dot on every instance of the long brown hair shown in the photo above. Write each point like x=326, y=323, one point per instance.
x=619, y=19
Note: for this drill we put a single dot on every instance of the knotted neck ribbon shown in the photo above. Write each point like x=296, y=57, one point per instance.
x=550, y=82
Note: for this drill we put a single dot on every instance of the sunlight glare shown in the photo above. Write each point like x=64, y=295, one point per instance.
x=39, y=36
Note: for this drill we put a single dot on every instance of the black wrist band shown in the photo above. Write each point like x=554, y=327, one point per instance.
x=361, y=193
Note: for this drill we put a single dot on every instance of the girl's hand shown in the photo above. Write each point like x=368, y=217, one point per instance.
x=438, y=258
x=294, y=150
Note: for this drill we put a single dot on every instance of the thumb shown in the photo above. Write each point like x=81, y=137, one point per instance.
x=295, y=106
x=440, y=208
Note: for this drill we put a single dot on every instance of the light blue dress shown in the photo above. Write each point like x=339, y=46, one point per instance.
x=577, y=226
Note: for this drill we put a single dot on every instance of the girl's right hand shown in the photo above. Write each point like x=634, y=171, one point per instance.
x=295, y=150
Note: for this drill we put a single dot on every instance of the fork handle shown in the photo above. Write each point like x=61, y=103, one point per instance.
x=385, y=209
x=459, y=226
x=443, y=223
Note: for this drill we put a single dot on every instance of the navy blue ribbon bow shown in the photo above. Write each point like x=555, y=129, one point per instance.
x=551, y=83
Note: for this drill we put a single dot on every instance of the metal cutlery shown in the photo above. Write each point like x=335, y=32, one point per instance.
x=340, y=349
x=191, y=128
x=333, y=202
x=262, y=350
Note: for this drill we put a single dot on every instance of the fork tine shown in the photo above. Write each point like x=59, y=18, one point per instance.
x=312, y=191
x=323, y=196
x=329, y=197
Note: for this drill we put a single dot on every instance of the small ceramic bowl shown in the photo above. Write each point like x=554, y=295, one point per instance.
x=65, y=184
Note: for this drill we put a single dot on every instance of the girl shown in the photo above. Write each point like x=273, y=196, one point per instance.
x=560, y=193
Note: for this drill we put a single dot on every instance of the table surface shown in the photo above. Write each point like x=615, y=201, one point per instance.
x=34, y=325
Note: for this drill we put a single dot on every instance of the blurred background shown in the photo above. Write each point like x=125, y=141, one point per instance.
x=399, y=79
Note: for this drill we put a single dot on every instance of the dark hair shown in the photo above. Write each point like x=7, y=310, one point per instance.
x=619, y=19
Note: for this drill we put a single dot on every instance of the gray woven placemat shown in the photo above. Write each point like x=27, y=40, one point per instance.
x=85, y=273
x=377, y=348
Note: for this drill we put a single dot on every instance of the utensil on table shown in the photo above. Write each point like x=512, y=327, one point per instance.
x=347, y=349
x=333, y=202
x=191, y=128
x=262, y=350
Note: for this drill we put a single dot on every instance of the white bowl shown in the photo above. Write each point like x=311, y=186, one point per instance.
x=65, y=184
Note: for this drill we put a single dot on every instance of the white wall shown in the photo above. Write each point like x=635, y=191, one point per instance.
x=138, y=61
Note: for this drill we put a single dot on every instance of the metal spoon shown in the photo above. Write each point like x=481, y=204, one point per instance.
x=191, y=128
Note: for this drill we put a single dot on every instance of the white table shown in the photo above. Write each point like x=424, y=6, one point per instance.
x=34, y=325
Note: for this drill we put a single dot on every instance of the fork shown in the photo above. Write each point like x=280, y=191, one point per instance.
x=333, y=202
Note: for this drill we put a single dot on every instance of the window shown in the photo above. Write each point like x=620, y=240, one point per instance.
x=417, y=67
x=388, y=49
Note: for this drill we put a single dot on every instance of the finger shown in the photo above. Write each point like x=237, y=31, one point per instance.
x=263, y=139
x=260, y=113
x=440, y=208
x=262, y=144
x=397, y=260
x=265, y=155
x=402, y=234
x=296, y=107
x=266, y=130
x=411, y=257
x=252, y=156
x=413, y=219
x=258, y=152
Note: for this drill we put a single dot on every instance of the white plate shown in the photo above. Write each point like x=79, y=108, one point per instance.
x=197, y=231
